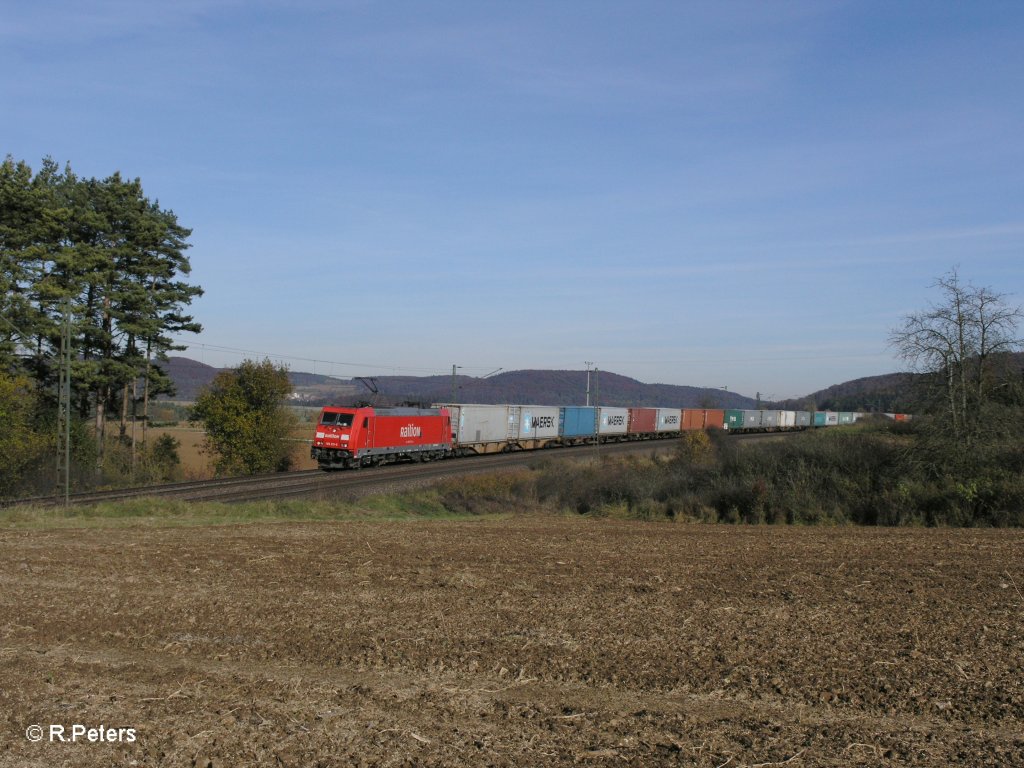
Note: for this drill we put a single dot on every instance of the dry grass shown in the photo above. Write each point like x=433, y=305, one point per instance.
x=196, y=464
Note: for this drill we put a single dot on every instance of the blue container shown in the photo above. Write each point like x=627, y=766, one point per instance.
x=820, y=419
x=577, y=421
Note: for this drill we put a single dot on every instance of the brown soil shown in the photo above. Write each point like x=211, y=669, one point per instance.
x=525, y=642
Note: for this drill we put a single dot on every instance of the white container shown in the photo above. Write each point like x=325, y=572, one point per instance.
x=669, y=420
x=613, y=421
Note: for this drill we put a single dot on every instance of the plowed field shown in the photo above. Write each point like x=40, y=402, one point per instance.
x=516, y=642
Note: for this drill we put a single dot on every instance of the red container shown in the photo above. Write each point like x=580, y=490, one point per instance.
x=714, y=418
x=642, y=420
x=693, y=418
x=703, y=418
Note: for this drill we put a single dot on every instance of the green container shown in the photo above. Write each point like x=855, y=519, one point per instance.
x=819, y=418
x=733, y=419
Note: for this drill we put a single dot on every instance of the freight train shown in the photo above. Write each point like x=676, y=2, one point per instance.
x=348, y=438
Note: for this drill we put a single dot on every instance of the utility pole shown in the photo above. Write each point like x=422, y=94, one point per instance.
x=64, y=406
x=588, y=363
x=597, y=414
x=454, y=368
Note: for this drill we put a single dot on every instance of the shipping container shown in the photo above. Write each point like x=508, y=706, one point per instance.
x=670, y=419
x=480, y=424
x=831, y=418
x=643, y=421
x=820, y=419
x=787, y=419
x=576, y=421
x=770, y=419
x=847, y=418
x=538, y=422
x=703, y=418
x=613, y=421
x=491, y=428
x=733, y=419
x=714, y=418
x=753, y=420
x=803, y=419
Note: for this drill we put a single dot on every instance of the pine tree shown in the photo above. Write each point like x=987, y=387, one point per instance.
x=116, y=259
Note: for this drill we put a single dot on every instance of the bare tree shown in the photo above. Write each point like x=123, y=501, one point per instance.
x=955, y=342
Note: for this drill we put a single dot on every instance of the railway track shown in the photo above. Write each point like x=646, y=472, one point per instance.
x=315, y=483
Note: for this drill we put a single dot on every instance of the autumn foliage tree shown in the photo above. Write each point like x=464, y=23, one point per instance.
x=21, y=443
x=247, y=423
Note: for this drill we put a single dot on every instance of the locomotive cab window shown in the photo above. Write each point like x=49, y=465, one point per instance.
x=337, y=419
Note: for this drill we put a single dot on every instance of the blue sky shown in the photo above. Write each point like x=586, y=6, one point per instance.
x=740, y=194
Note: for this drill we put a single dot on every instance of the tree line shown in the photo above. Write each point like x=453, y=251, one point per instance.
x=98, y=257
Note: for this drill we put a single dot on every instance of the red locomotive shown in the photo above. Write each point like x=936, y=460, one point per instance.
x=347, y=438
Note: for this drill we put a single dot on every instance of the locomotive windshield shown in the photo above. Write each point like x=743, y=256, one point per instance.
x=337, y=419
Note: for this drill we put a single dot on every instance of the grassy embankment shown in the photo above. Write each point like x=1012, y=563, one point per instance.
x=870, y=475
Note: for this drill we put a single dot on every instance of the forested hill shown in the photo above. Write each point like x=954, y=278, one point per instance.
x=536, y=387
x=567, y=388
x=887, y=393
x=892, y=392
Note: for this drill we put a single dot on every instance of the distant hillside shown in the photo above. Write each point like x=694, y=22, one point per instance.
x=888, y=393
x=892, y=392
x=535, y=387
x=543, y=387
x=189, y=376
